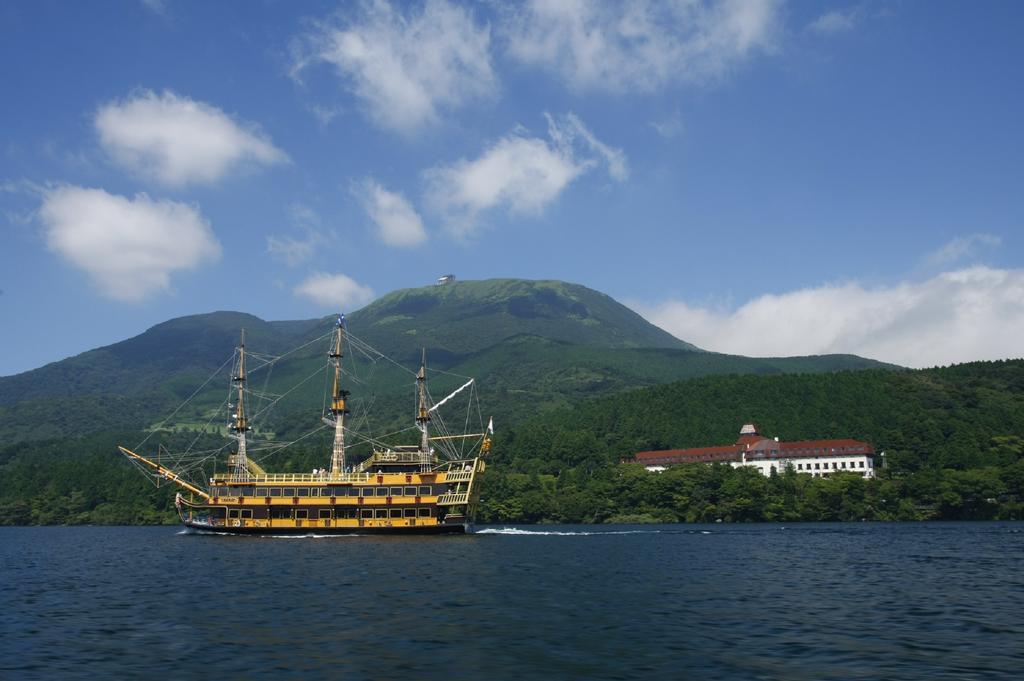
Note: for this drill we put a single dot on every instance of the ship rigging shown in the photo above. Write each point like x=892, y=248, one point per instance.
x=427, y=487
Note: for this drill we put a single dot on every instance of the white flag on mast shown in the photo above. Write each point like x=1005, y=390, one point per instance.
x=490, y=426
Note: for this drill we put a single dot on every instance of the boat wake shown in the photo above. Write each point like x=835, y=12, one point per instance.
x=558, y=533
x=195, y=531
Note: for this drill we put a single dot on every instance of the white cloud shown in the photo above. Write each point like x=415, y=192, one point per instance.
x=405, y=67
x=521, y=174
x=836, y=21
x=961, y=248
x=295, y=250
x=398, y=224
x=128, y=247
x=959, y=316
x=638, y=45
x=177, y=140
x=334, y=291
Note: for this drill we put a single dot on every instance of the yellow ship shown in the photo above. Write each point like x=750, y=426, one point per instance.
x=398, y=489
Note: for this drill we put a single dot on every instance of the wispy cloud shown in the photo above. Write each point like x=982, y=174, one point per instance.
x=836, y=21
x=295, y=249
x=668, y=126
x=405, y=63
x=637, y=45
x=177, y=140
x=398, y=224
x=520, y=174
x=336, y=292
x=129, y=247
x=958, y=316
x=155, y=6
x=962, y=248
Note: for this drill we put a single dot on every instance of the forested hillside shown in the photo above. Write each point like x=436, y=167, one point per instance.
x=953, y=438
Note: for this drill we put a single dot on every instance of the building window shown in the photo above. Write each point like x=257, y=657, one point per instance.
x=817, y=466
x=862, y=464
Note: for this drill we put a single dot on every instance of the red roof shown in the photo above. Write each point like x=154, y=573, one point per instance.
x=758, y=447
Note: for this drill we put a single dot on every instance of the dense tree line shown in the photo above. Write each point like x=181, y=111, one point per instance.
x=953, y=437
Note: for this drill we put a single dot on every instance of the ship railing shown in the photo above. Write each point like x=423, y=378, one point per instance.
x=458, y=476
x=276, y=478
x=453, y=499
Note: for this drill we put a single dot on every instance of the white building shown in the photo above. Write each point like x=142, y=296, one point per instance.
x=813, y=457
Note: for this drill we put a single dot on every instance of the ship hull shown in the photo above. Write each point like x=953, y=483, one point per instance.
x=421, y=530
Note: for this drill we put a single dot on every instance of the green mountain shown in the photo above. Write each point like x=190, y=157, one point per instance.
x=465, y=317
x=530, y=344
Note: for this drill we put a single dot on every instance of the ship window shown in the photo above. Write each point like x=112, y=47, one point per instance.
x=396, y=491
x=301, y=514
x=367, y=491
x=410, y=491
x=424, y=512
x=325, y=492
x=261, y=492
x=325, y=513
x=410, y=513
x=289, y=491
x=275, y=491
x=380, y=514
x=396, y=513
x=382, y=491
x=247, y=513
x=425, y=490
x=367, y=513
x=279, y=512
x=233, y=513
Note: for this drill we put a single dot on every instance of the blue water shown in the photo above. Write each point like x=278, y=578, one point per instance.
x=818, y=601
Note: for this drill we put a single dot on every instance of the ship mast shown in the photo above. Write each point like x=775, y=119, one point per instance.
x=240, y=461
x=423, y=414
x=338, y=406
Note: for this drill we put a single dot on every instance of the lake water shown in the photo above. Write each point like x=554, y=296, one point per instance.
x=814, y=601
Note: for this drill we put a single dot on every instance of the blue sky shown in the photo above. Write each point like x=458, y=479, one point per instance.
x=765, y=178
